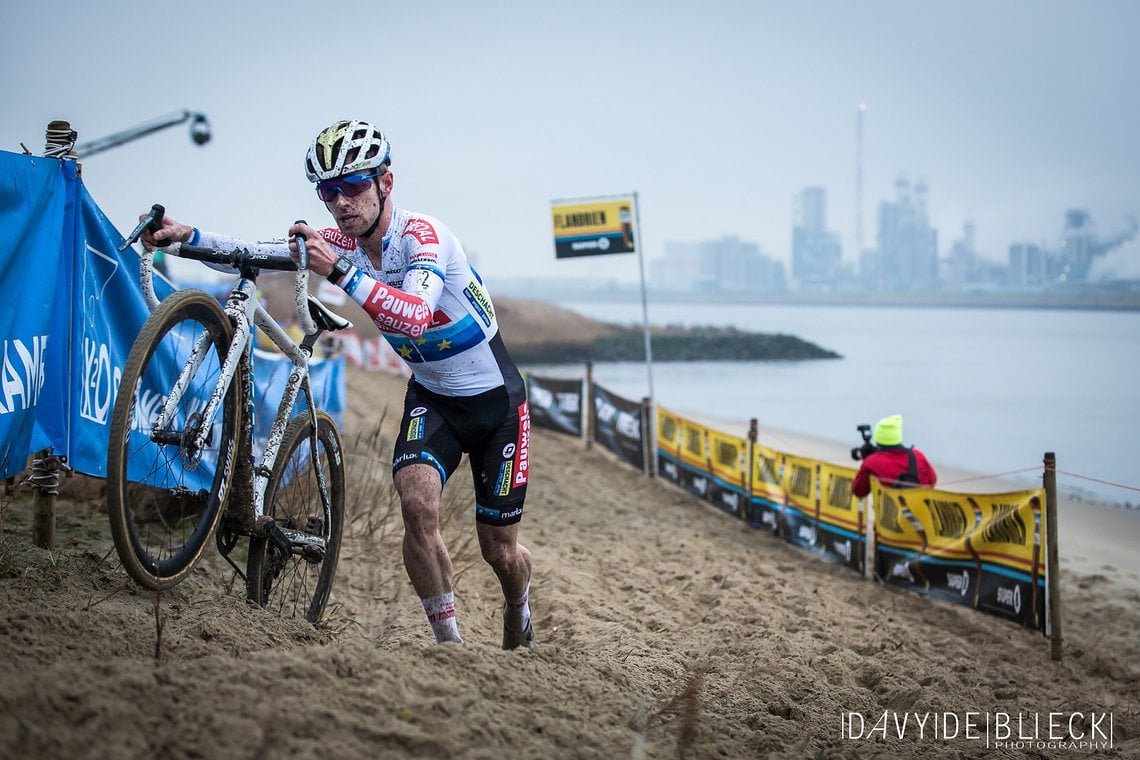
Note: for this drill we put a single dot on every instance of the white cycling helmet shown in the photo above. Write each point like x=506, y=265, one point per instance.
x=346, y=147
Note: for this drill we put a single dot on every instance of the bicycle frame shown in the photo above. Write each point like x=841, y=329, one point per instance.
x=244, y=311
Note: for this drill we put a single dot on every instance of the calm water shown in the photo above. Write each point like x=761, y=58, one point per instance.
x=987, y=390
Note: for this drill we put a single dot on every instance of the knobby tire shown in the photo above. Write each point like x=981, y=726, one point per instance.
x=161, y=508
x=284, y=582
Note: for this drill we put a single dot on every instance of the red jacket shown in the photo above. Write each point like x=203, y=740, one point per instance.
x=887, y=464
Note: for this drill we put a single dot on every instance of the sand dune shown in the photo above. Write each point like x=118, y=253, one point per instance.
x=665, y=629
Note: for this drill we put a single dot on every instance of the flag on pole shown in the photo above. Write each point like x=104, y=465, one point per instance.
x=593, y=227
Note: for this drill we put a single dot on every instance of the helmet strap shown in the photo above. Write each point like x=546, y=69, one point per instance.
x=379, y=214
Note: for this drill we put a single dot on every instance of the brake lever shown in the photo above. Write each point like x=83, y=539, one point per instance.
x=152, y=221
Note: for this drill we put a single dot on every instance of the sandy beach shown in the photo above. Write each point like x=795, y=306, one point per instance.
x=665, y=629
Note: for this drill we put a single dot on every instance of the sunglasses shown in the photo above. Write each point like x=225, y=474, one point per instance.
x=351, y=185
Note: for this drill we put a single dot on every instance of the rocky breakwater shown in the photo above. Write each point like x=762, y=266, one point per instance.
x=541, y=333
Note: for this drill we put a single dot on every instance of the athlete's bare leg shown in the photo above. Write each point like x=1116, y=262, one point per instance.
x=512, y=563
x=425, y=553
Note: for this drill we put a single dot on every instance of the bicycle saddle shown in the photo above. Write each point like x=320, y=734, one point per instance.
x=325, y=318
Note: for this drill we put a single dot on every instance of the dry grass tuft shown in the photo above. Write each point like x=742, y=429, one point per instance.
x=685, y=707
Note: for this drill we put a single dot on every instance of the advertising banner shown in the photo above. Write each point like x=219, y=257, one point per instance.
x=34, y=198
x=1010, y=547
x=984, y=551
x=588, y=227
x=270, y=376
x=696, y=470
x=899, y=539
x=840, y=528
x=767, y=496
x=616, y=425
x=800, y=501
x=65, y=345
x=107, y=312
x=728, y=457
x=668, y=445
x=683, y=455
x=946, y=565
x=555, y=403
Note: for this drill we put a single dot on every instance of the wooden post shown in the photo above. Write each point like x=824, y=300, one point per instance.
x=753, y=437
x=587, y=406
x=59, y=140
x=45, y=487
x=1053, y=566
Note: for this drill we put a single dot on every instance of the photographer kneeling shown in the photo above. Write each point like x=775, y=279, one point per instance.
x=884, y=456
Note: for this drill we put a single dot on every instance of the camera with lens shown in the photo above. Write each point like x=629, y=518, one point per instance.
x=868, y=448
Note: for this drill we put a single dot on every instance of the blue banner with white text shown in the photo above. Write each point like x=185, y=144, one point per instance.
x=33, y=202
x=108, y=310
x=74, y=306
x=271, y=375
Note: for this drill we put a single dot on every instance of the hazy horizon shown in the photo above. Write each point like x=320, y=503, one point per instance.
x=717, y=114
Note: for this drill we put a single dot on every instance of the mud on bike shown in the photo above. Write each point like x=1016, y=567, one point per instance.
x=181, y=461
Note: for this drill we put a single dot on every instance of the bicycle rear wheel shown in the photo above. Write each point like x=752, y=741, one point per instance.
x=297, y=583
x=164, y=493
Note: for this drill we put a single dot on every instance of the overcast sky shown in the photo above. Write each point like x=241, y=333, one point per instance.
x=717, y=113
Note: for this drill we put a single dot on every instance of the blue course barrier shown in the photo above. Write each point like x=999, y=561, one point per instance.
x=72, y=308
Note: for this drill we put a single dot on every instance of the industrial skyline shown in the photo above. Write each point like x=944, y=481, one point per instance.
x=906, y=256
x=715, y=114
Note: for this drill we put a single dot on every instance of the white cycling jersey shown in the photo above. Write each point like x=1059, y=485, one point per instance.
x=429, y=303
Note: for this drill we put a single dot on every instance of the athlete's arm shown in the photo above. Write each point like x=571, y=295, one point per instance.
x=392, y=309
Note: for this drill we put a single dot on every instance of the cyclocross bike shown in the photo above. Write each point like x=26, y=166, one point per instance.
x=181, y=461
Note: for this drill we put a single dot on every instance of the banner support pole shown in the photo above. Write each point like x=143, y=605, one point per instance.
x=587, y=405
x=640, y=244
x=44, y=477
x=1053, y=566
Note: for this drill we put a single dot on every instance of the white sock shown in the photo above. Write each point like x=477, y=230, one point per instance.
x=523, y=603
x=441, y=614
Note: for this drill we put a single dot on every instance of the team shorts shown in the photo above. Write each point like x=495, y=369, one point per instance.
x=492, y=428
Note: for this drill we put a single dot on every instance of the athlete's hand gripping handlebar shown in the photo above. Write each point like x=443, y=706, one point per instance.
x=152, y=221
x=302, y=284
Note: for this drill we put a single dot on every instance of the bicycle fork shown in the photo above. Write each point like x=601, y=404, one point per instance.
x=311, y=547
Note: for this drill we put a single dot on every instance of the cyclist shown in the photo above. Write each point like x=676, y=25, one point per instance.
x=412, y=277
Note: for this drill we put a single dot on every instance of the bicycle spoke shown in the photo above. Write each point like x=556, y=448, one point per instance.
x=164, y=491
x=297, y=583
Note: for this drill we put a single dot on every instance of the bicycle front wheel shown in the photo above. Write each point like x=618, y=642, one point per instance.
x=296, y=582
x=165, y=482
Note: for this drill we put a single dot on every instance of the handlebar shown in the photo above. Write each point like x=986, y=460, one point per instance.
x=241, y=260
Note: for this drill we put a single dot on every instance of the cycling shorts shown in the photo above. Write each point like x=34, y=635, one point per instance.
x=492, y=428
